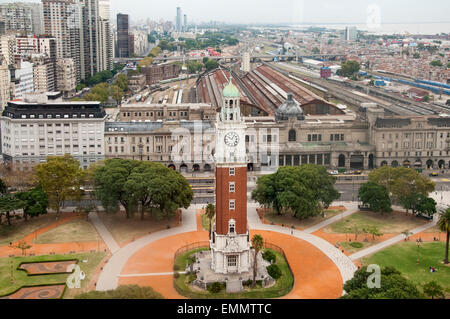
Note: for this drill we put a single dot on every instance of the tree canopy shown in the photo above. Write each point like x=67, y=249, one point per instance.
x=402, y=182
x=349, y=69
x=35, y=202
x=376, y=197
x=152, y=187
x=61, y=178
x=392, y=286
x=123, y=292
x=305, y=190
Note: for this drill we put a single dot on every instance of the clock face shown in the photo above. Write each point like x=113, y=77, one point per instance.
x=232, y=139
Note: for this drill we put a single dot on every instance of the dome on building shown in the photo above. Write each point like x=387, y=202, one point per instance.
x=289, y=109
x=230, y=90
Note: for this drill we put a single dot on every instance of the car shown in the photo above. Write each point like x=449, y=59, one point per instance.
x=358, y=172
x=434, y=174
x=334, y=173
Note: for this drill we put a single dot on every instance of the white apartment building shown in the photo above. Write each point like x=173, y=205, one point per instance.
x=25, y=17
x=44, y=76
x=105, y=53
x=66, y=78
x=140, y=42
x=23, y=80
x=33, y=130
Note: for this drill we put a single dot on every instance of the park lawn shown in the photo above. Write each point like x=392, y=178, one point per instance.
x=391, y=223
x=20, y=228
x=289, y=220
x=77, y=230
x=281, y=287
x=21, y=279
x=403, y=257
x=126, y=230
x=205, y=222
x=350, y=249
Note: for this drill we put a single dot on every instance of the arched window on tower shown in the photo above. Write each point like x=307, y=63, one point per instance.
x=231, y=103
x=231, y=226
x=292, y=136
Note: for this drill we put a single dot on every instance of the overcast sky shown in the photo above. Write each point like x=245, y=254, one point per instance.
x=287, y=11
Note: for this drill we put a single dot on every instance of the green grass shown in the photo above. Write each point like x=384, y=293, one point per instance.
x=21, y=278
x=289, y=220
x=205, y=222
x=403, y=257
x=393, y=223
x=77, y=230
x=353, y=247
x=281, y=288
x=21, y=228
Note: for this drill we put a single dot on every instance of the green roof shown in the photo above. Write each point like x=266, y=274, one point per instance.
x=231, y=90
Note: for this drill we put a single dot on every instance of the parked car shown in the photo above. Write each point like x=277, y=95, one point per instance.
x=334, y=173
x=434, y=174
x=358, y=172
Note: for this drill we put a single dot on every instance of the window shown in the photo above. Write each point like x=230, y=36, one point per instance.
x=232, y=261
x=232, y=226
x=232, y=187
x=232, y=171
x=292, y=136
x=232, y=204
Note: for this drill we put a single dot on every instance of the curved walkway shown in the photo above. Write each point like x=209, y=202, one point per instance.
x=109, y=277
x=345, y=265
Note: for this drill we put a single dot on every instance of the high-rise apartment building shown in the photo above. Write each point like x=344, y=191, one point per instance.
x=22, y=78
x=105, y=45
x=5, y=83
x=44, y=73
x=90, y=18
x=123, y=36
x=63, y=20
x=22, y=17
x=179, y=22
x=185, y=22
x=8, y=48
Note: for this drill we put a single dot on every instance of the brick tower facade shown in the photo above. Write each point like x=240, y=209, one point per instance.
x=230, y=242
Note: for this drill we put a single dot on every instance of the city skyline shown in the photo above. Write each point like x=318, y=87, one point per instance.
x=288, y=11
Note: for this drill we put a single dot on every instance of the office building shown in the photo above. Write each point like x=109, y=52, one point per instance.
x=123, y=36
x=36, y=128
x=179, y=20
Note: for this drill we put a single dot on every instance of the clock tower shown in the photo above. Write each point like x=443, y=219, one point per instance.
x=230, y=240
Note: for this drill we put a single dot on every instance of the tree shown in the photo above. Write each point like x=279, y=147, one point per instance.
x=402, y=182
x=433, y=290
x=109, y=185
x=444, y=225
x=304, y=190
x=150, y=186
x=146, y=62
x=393, y=286
x=211, y=65
x=35, y=202
x=210, y=212
x=416, y=56
x=426, y=98
x=8, y=204
x=257, y=244
x=123, y=292
x=374, y=231
x=100, y=93
x=349, y=68
x=436, y=63
x=61, y=179
x=316, y=50
x=122, y=82
x=376, y=197
x=116, y=93
x=426, y=206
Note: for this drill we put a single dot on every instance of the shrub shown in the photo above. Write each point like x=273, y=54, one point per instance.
x=176, y=275
x=191, y=260
x=357, y=245
x=269, y=256
x=176, y=268
x=215, y=287
x=274, y=271
x=123, y=292
x=192, y=277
